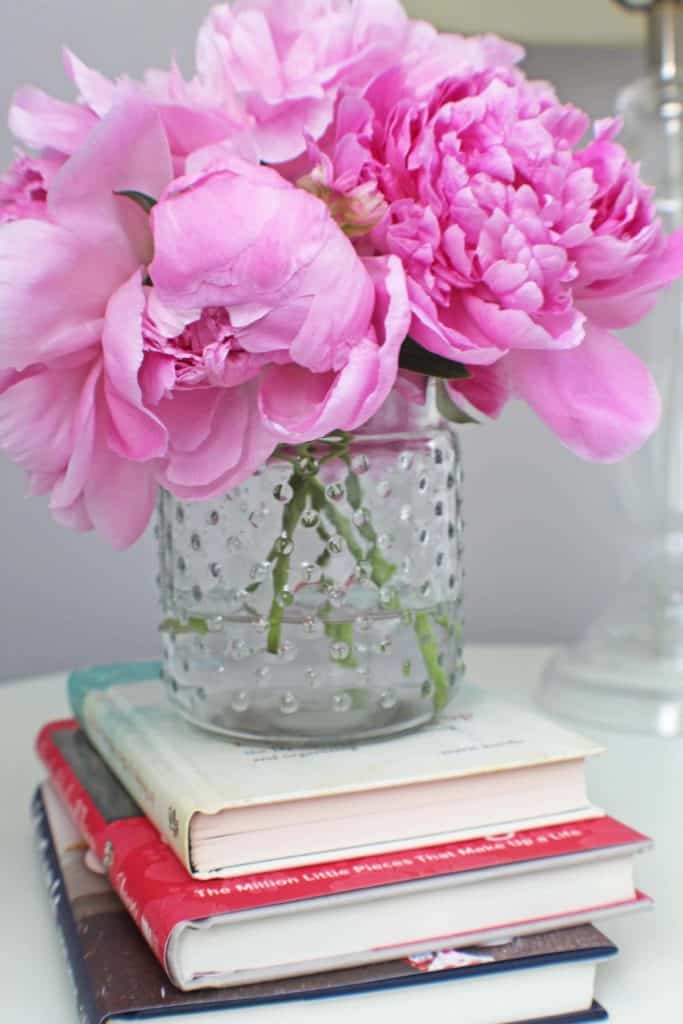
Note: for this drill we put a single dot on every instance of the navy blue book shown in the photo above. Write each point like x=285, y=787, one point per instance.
x=541, y=979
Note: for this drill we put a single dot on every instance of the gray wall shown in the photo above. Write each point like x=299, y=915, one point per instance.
x=541, y=525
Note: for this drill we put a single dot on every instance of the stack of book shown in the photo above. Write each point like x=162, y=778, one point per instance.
x=459, y=871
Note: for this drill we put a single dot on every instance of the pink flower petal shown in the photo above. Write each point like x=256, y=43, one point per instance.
x=254, y=56
x=70, y=488
x=301, y=405
x=222, y=449
x=157, y=377
x=515, y=329
x=127, y=150
x=53, y=293
x=196, y=266
x=391, y=321
x=236, y=444
x=75, y=517
x=487, y=390
x=120, y=497
x=188, y=416
x=45, y=401
x=449, y=332
x=42, y=122
x=96, y=91
x=135, y=433
x=189, y=129
x=599, y=398
x=503, y=276
x=625, y=302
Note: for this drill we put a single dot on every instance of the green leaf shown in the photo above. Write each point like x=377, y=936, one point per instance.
x=419, y=360
x=145, y=202
x=448, y=409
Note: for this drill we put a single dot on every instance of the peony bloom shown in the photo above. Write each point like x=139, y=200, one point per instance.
x=72, y=413
x=193, y=116
x=288, y=60
x=438, y=194
x=87, y=404
x=626, y=261
x=268, y=70
x=271, y=295
x=519, y=248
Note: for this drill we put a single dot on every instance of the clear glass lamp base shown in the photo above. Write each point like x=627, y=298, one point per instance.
x=627, y=673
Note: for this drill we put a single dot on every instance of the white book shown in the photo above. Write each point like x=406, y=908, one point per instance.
x=227, y=810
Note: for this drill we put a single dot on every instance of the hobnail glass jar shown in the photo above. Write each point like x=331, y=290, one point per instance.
x=321, y=602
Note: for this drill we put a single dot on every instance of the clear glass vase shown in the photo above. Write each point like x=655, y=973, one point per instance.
x=321, y=602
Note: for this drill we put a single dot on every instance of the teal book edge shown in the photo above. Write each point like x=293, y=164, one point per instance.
x=102, y=677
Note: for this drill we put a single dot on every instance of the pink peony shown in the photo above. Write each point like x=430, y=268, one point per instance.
x=438, y=194
x=193, y=116
x=517, y=246
x=270, y=69
x=72, y=413
x=288, y=60
x=272, y=292
x=626, y=261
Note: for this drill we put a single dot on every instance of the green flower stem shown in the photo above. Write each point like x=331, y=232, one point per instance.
x=382, y=571
x=290, y=520
x=340, y=523
x=336, y=632
x=271, y=556
x=430, y=654
x=324, y=559
x=342, y=633
x=175, y=626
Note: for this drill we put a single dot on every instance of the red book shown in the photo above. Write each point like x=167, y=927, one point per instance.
x=352, y=912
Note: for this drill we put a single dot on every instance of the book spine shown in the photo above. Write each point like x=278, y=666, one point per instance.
x=83, y=682
x=152, y=921
x=88, y=1012
x=149, y=780
x=115, y=845
x=90, y=822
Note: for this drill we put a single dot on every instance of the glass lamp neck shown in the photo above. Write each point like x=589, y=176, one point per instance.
x=665, y=40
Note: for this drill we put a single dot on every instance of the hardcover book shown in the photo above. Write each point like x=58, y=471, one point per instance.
x=315, y=918
x=546, y=979
x=228, y=809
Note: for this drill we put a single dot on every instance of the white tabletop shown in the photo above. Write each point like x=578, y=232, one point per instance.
x=639, y=780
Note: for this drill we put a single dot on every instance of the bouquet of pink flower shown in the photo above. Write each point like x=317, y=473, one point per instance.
x=340, y=203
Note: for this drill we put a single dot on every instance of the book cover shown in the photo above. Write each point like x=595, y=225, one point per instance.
x=162, y=898
x=178, y=773
x=116, y=979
